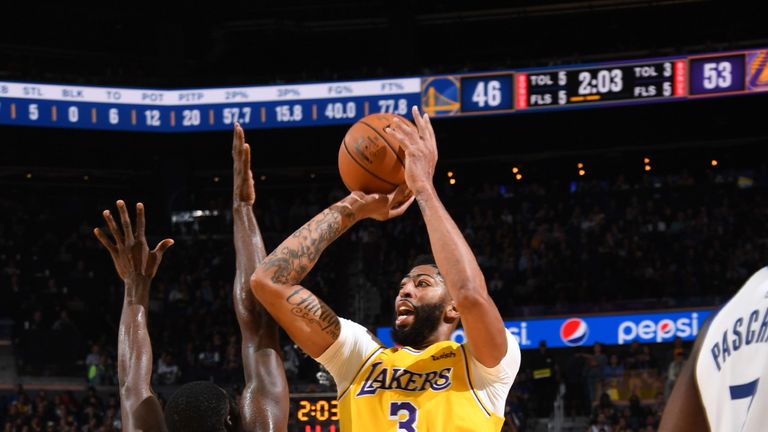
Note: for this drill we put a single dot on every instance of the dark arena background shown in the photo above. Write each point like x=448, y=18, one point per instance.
x=606, y=161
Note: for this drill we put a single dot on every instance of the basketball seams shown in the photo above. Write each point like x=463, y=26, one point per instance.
x=374, y=175
x=385, y=141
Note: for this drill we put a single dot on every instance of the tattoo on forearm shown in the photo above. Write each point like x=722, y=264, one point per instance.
x=422, y=203
x=305, y=305
x=290, y=263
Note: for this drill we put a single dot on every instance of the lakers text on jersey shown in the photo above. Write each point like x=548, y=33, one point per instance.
x=400, y=389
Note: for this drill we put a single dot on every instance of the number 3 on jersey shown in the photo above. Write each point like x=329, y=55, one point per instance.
x=405, y=413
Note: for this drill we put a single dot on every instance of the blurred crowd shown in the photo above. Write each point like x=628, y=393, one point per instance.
x=26, y=411
x=619, y=388
x=546, y=247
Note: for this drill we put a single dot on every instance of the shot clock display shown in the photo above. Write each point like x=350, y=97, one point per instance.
x=535, y=89
x=315, y=412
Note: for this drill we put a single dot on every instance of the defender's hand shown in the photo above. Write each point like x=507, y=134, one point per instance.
x=380, y=206
x=420, y=151
x=244, y=191
x=130, y=254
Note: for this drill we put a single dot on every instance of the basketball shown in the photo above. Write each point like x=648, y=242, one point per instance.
x=370, y=159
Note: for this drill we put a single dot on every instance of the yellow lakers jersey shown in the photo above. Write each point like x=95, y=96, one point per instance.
x=404, y=390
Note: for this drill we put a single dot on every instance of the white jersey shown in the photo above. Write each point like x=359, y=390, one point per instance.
x=732, y=366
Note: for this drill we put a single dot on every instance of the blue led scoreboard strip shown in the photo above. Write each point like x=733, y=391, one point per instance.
x=202, y=109
x=524, y=90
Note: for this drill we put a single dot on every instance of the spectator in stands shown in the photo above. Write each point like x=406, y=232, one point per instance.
x=630, y=360
x=167, y=371
x=93, y=357
x=545, y=373
x=614, y=369
x=645, y=360
x=673, y=371
x=600, y=424
x=593, y=372
x=98, y=373
x=33, y=341
x=291, y=361
x=66, y=339
x=209, y=358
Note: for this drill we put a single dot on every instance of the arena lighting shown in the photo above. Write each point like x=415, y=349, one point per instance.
x=518, y=177
x=452, y=181
x=515, y=170
x=579, y=165
x=647, y=167
x=582, y=172
x=216, y=179
x=450, y=174
x=263, y=178
x=646, y=160
x=191, y=215
x=714, y=162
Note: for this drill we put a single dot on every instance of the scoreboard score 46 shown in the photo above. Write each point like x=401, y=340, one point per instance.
x=666, y=79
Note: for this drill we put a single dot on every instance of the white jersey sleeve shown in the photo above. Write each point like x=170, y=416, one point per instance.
x=732, y=365
x=493, y=384
x=347, y=354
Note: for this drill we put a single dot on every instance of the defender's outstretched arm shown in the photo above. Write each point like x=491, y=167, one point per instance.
x=264, y=404
x=136, y=266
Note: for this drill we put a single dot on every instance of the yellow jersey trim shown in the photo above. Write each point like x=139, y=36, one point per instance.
x=472, y=386
x=362, y=366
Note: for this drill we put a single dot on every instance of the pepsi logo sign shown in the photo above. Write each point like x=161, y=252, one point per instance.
x=574, y=332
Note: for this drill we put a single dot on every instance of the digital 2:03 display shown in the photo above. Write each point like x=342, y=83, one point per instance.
x=315, y=414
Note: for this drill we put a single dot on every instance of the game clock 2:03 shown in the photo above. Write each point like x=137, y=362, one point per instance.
x=317, y=414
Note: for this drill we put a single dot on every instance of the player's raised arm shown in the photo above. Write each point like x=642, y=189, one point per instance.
x=465, y=282
x=264, y=403
x=306, y=318
x=136, y=265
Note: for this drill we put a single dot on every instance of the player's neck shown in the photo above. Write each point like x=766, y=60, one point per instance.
x=443, y=333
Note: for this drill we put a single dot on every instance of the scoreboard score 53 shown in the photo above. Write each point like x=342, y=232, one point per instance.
x=630, y=82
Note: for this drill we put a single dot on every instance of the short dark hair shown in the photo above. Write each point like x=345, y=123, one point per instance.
x=427, y=259
x=200, y=406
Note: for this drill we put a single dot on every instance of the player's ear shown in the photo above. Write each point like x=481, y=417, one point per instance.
x=451, y=313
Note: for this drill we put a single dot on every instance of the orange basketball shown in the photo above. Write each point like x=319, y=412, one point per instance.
x=370, y=159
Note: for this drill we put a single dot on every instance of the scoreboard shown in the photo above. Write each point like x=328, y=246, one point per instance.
x=628, y=82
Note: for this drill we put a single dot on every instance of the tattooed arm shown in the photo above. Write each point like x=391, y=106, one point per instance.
x=275, y=283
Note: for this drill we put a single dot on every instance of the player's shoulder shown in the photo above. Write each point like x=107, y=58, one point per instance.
x=355, y=330
x=747, y=300
x=512, y=357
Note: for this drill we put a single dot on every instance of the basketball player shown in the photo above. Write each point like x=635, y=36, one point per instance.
x=198, y=406
x=723, y=385
x=430, y=383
